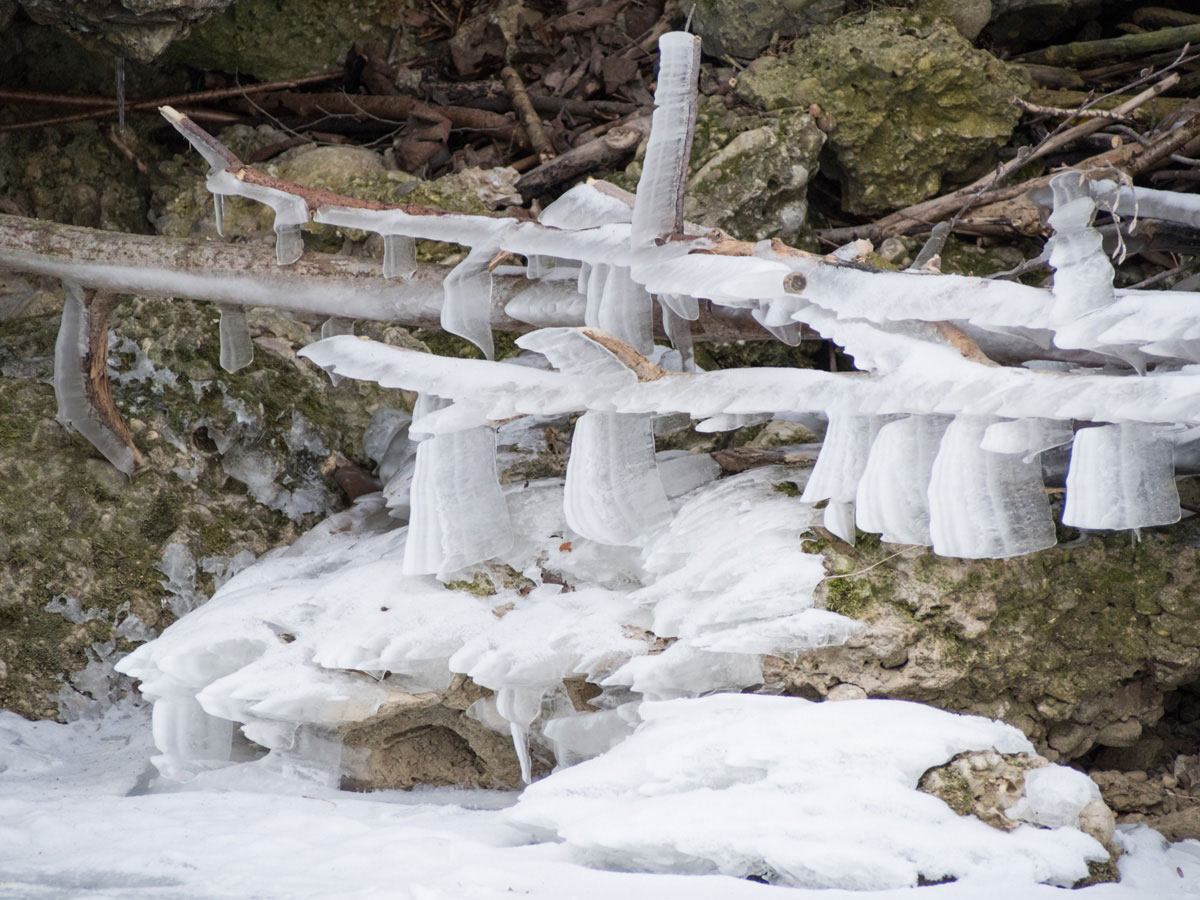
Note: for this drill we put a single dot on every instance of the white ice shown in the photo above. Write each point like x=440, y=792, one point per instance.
x=1121, y=476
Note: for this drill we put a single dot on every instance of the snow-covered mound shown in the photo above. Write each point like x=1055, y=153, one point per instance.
x=817, y=795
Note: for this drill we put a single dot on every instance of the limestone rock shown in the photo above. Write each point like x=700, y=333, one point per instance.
x=91, y=562
x=908, y=100
x=968, y=16
x=745, y=27
x=140, y=29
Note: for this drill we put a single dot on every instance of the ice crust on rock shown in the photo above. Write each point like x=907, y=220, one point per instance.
x=813, y=795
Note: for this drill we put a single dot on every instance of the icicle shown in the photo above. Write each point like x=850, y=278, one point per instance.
x=839, y=467
x=519, y=706
x=538, y=266
x=985, y=505
x=679, y=333
x=399, y=256
x=1083, y=273
x=893, y=494
x=335, y=325
x=682, y=305
x=613, y=493
x=219, y=213
x=237, y=350
x=84, y=400
x=459, y=516
x=658, y=204
x=625, y=310
x=121, y=95
x=591, y=285
x=1121, y=476
x=289, y=244
x=467, y=308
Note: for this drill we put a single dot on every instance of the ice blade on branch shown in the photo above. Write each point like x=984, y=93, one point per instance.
x=237, y=350
x=467, y=309
x=81, y=385
x=1121, y=476
x=985, y=505
x=332, y=327
x=625, y=310
x=658, y=205
x=840, y=465
x=399, y=256
x=1028, y=436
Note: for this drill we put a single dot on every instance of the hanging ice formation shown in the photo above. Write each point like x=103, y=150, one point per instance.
x=933, y=442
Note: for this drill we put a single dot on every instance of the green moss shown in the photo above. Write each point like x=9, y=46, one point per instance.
x=847, y=596
x=787, y=487
x=480, y=585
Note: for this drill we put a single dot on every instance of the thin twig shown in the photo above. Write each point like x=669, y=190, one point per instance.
x=875, y=564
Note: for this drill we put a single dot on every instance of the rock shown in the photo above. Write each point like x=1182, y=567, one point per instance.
x=1006, y=789
x=1061, y=643
x=73, y=174
x=1128, y=792
x=278, y=39
x=1182, y=825
x=95, y=562
x=140, y=29
x=910, y=103
x=1019, y=24
x=968, y=16
x=744, y=27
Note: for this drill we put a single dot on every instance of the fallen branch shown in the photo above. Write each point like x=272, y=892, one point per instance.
x=618, y=143
x=1124, y=47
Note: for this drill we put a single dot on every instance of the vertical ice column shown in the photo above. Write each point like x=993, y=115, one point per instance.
x=237, y=350
x=1083, y=273
x=625, y=310
x=187, y=737
x=985, y=505
x=893, y=494
x=1121, y=476
x=678, y=310
x=519, y=706
x=467, y=308
x=399, y=256
x=613, y=493
x=840, y=465
x=658, y=205
x=458, y=513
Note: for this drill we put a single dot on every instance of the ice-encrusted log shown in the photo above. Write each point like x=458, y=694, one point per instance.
x=985, y=505
x=893, y=493
x=658, y=206
x=840, y=465
x=81, y=386
x=458, y=513
x=1121, y=476
x=237, y=350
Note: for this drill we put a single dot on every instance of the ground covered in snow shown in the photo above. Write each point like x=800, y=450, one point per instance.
x=81, y=816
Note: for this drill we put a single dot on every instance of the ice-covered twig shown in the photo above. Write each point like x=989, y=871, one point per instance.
x=81, y=386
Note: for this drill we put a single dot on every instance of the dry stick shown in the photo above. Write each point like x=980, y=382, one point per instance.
x=1066, y=113
x=1161, y=150
x=538, y=139
x=95, y=365
x=1114, y=48
x=616, y=144
x=111, y=108
x=983, y=190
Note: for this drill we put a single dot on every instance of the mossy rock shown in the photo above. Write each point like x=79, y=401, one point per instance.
x=278, y=39
x=910, y=101
x=1063, y=643
x=78, y=537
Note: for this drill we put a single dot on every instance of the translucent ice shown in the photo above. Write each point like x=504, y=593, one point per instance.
x=467, y=309
x=399, y=256
x=1121, y=476
x=893, y=494
x=985, y=505
x=613, y=493
x=840, y=465
x=1083, y=274
x=237, y=350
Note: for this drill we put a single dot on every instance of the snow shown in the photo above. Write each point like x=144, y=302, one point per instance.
x=80, y=818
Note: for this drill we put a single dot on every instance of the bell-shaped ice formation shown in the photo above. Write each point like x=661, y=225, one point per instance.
x=458, y=515
x=893, y=494
x=985, y=505
x=237, y=350
x=188, y=738
x=1121, y=476
x=1029, y=436
x=613, y=493
x=658, y=206
x=839, y=467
